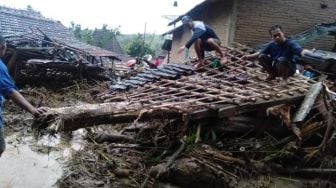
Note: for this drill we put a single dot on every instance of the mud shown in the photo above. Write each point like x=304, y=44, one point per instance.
x=31, y=162
x=23, y=167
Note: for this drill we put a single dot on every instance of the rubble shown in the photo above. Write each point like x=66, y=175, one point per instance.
x=177, y=125
x=33, y=59
x=239, y=88
x=229, y=125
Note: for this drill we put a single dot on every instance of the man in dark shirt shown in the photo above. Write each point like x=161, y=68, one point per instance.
x=204, y=39
x=8, y=90
x=277, y=57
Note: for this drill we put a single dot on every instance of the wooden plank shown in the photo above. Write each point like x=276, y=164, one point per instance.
x=229, y=110
x=308, y=102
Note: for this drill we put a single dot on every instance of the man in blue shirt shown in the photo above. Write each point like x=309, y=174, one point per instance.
x=204, y=39
x=277, y=58
x=8, y=90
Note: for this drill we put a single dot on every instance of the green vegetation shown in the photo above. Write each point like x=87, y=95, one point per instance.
x=137, y=47
x=154, y=41
x=84, y=35
x=134, y=44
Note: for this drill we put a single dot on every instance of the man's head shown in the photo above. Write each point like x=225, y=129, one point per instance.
x=277, y=34
x=186, y=21
x=3, y=46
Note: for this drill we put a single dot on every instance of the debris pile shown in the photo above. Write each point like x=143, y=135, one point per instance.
x=228, y=124
x=35, y=58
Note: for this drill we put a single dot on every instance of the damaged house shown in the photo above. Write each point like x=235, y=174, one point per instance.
x=39, y=47
x=164, y=112
x=173, y=107
x=247, y=22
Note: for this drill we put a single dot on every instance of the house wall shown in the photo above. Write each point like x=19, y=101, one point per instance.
x=217, y=15
x=180, y=36
x=255, y=17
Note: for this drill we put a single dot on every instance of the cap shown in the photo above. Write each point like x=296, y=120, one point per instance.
x=186, y=19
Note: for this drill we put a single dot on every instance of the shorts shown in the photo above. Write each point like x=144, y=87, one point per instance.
x=206, y=47
x=2, y=141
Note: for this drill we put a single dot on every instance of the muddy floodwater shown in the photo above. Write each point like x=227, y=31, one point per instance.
x=28, y=162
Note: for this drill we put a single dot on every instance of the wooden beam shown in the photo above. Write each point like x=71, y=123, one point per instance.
x=72, y=118
x=308, y=102
x=229, y=110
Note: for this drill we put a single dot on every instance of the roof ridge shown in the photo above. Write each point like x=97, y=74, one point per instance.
x=30, y=13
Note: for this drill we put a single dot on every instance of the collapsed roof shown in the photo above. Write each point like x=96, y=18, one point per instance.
x=175, y=91
x=41, y=50
x=24, y=22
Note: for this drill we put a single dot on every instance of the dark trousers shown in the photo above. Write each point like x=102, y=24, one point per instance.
x=281, y=67
x=2, y=141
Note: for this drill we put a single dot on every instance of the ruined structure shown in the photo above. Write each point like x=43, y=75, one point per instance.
x=43, y=48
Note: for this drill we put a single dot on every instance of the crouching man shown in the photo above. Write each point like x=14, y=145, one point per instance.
x=277, y=58
x=204, y=39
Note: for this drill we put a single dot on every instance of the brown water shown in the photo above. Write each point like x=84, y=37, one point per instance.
x=36, y=164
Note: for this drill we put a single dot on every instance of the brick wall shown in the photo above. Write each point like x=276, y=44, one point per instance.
x=255, y=17
x=179, y=38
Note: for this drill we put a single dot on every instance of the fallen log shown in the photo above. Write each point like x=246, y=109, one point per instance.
x=72, y=118
x=308, y=102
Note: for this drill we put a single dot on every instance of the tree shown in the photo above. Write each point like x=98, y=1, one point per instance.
x=106, y=36
x=133, y=45
x=30, y=8
x=86, y=36
x=77, y=30
x=138, y=47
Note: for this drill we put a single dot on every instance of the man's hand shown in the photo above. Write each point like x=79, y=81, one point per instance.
x=244, y=58
x=39, y=111
x=250, y=56
x=181, y=49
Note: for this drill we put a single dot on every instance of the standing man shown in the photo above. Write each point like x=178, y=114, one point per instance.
x=277, y=58
x=204, y=39
x=8, y=90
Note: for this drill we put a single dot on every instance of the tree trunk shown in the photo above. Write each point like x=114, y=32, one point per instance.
x=308, y=102
x=72, y=118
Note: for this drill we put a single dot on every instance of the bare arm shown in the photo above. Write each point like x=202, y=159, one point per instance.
x=24, y=104
x=251, y=56
x=307, y=52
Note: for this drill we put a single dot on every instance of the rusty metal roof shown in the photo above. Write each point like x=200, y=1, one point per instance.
x=16, y=21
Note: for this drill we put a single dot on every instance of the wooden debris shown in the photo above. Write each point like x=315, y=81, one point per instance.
x=308, y=102
x=103, y=137
x=33, y=57
x=210, y=92
x=72, y=118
